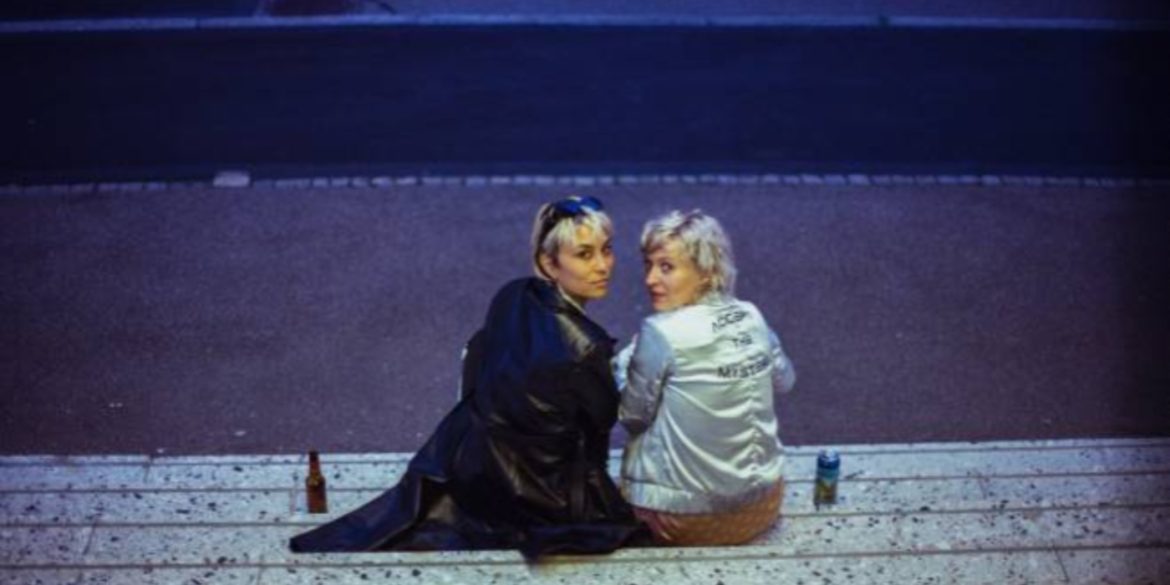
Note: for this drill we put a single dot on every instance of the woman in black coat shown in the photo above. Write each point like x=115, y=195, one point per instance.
x=521, y=460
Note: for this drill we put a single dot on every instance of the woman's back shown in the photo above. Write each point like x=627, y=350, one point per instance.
x=713, y=438
x=520, y=462
x=531, y=343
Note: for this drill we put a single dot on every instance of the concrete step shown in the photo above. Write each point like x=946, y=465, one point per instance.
x=1076, y=511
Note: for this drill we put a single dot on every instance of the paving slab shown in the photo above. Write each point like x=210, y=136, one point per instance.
x=996, y=463
x=39, y=545
x=49, y=508
x=204, y=545
x=888, y=496
x=1079, y=491
x=16, y=576
x=361, y=475
x=1101, y=527
x=227, y=475
x=193, y=507
x=71, y=476
x=171, y=575
x=1132, y=567
x=997, y=568
x=1004, y=512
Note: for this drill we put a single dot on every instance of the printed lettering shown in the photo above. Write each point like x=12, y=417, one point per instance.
x=724, y=319
x=746, y=369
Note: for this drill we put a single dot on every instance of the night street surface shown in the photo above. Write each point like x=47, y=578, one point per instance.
x=508, y=99
x=261, y=320
x=275, y=320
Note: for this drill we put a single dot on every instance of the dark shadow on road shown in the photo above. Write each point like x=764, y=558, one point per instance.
x=1144, y=270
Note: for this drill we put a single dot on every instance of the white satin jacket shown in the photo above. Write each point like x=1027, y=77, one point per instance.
x=697, y=386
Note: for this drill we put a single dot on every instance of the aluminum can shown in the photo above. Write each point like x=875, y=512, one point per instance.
x=828, y=471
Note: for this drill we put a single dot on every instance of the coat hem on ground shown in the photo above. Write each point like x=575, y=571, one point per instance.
x=520, y=462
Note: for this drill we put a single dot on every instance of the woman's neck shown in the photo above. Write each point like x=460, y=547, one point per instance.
x=576, y=302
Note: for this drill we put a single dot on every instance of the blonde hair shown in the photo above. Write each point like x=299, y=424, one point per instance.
x=704, y=241
x=564, y=233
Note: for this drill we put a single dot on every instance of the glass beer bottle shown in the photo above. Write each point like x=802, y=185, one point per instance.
x=315, y=486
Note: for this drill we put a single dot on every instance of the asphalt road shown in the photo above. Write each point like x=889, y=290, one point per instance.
x=304, y=102
x=269, y=320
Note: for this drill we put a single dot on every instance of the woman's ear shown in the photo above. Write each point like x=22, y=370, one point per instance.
x=547, y=264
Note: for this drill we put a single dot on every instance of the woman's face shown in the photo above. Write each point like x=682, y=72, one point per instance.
x=672, y=279
x=582, y=268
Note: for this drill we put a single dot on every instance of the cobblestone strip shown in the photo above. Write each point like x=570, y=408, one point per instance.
x=242, y=181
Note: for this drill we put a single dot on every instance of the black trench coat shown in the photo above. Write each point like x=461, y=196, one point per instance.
x=520, y=462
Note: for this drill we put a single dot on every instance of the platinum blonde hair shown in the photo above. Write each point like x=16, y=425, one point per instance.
x=564, y=233
x=702, y=238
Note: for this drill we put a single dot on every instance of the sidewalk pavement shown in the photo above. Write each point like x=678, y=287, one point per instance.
x=1019, y=9
x=1020, y=12
x=1068, y=511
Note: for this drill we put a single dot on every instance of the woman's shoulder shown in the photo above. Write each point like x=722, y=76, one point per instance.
x=535, y=306
x=704, y=310
x=524, y=295
x=585, y=337
x=702, y=322
x=517, y=287
x=691, y=322
x=750, y=308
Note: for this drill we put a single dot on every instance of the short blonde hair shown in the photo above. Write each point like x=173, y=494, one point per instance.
x=704, y=241
x=548, y=241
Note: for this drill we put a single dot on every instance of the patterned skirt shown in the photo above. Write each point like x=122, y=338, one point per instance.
x=718, y=528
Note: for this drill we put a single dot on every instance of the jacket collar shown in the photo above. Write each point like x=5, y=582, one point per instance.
x=549, y=295
x=565, y=296
x=553, y=297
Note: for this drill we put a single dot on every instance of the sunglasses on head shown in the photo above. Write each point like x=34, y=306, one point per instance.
x=568, y=207
x=565, y=208
x=573, y=206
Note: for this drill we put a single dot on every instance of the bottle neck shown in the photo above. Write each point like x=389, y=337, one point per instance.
x=314, y=462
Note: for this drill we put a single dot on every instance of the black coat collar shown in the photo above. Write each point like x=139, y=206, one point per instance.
x=547, y=294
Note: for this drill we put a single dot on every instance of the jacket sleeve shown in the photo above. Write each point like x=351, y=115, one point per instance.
x=471, y=359
x=645, y=378
x=783, y=373
x=621, y=363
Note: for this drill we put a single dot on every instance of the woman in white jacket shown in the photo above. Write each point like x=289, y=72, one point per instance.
x=703, y=465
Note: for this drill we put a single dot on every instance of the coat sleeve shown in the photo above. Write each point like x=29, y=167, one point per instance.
x=646, y=376
x=783, y=373
x=471, y=359
x=621, y=364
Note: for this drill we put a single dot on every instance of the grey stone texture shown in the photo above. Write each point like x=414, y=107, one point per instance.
x=1060, y=511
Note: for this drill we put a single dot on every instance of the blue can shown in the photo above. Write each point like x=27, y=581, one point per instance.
x=828, y=470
